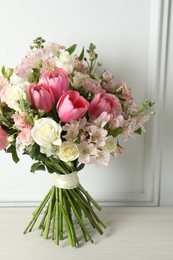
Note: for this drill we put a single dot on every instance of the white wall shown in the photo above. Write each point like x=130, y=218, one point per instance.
x=126, y=34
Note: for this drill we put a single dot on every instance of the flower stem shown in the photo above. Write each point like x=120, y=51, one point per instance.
x=37, y=212
x=48, y=220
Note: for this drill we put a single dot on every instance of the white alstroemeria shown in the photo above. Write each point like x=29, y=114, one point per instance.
x=46, y=133
x=97, y=135
x=68, y=151
x=65, y=61
x=102, y=158
x=88, y=151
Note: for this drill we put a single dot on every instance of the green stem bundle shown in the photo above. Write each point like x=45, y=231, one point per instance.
x=62, y=208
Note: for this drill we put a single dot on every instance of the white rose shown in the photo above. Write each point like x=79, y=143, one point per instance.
x=46, y=132
x=13, y=95
x=68, y=151
x=65, y=61
x=77, y=79
x=111, y=144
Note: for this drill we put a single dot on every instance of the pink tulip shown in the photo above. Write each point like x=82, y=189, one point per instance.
x=3, y=138
x=57, y=80
x=71, y=106
x=41, y=97
x=102, y=103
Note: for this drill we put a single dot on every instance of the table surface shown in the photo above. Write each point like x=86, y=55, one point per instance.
x=131, y=233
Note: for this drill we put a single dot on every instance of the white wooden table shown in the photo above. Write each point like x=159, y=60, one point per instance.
x=131, y=234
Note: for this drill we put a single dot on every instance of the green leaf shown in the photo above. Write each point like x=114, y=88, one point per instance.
x=71, y=49
x=116, y=131
x=12, y=150
x=3, y=70
x=37, y=167
x=138, y=131
x=81, y=56
x=7, y=73
x=80, y=167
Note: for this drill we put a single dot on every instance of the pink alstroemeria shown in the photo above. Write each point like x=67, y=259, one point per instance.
x=72, y=106
x=3, y=138
x=41, y=97
x=57, y=80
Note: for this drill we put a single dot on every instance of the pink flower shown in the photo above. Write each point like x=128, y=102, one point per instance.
x=124, y=91
x=25, y=137
x=57, y=80
x=103, y=103
x=92, y=85
x=48, y=65
x=71, y=106
x=41, y=97
x=3, y=138
x=81, y=66
x=107, y=76
x=19, y=121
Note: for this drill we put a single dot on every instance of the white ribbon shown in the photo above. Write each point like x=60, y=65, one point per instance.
x=68, y=181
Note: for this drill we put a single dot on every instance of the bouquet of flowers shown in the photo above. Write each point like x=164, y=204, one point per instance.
x=56, y=107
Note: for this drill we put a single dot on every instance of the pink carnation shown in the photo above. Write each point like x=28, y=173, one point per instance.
x=25, y=137
x=20, y=122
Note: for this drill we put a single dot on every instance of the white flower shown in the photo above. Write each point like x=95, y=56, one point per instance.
x=65, y=61
x=68, y=151
x=88, y=151
x=15, y=80
x=111, y=144
x=13, y=95
x=77, y=79
x=97, y=135
x=3, y=82
x=46, y=132
x=102, y=158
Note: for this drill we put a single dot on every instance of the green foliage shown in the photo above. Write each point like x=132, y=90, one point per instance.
x=81, y=56
x=38, y=43
x=139, y=131
x=7, y=72
x=38, y=166
x=80, y=167
x=12, y=150
x=145, y=106
x=116, y=132
x=71, y=49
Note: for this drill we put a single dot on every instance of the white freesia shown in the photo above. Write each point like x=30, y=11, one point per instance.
x=46, y=133
x=68, y=151
x=111, y=144
x=13, y=95
x=65, y=61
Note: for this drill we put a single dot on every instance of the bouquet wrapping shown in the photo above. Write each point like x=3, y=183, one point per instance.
x=64, y=111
